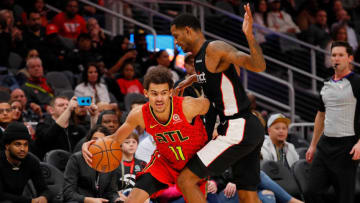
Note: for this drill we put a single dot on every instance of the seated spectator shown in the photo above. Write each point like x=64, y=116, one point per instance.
x=17, y=168
x=38, y=6
x=280, y=21
x=110, y=120
x=98, y=37
x=81, y=55
x=337, y=34
x=195, y=89
x=22, y=75
x=143, y=54
x=128, y=83
x=36, y=88
x=260, y=18
x=318, y=33
x=6, y=117
x=89, y=11
x=91, y=86
x=35, y=32
x=163, y=61
x=306, y=15
x=30, y=112
x=69, y=22
x=58, y=131
x=275, y=146
x=126, y=176
x=83, y=183
x=253, y=110
x=343, y=20
x=16, y=107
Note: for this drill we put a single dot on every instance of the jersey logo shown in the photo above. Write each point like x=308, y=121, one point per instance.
x=153, y=126
x=170, y=136
x=176, y=118
x=198, y=61
x=201, y=78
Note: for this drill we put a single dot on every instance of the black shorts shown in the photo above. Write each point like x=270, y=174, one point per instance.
x=238, y=146
x=149, y=184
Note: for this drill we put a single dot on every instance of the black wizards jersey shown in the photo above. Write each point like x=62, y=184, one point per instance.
x=224, y=90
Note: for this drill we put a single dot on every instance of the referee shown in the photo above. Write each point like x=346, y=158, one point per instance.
x=334, y=156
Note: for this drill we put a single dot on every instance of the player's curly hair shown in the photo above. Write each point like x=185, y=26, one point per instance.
x=158, y=75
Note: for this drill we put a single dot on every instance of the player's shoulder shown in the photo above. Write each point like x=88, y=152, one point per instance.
x=136, y=112
x=218, y=45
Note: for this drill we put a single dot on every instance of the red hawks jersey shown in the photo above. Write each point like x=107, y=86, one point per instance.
x=177, y=140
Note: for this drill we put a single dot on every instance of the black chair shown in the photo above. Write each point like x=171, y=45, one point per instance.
x=58, y=81
x=55, y=181
x=282, y=176
x=57, y=158
x=302, y=152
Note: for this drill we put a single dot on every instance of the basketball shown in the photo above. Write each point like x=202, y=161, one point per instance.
x=106, y=155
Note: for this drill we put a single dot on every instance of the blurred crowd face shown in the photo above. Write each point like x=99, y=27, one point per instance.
x=337, y=6
x=84, y=44
x=81, y=111
x=34, y=22
x=33, y=53
x=6, y=113
x=16, y=109
x=97, y=135
x=341, y=34
x=164, y=59
x=262, y=6
x=39, y=5
x=278, y=132
x=59, y=107
x=189, y=66
x=19, y=95
x=129, y=71
x=35, y=68
x=72, y=9
x=321, y=17
x=92, y=75
x=125, y=44
x=111, y=122
x=129, y=146
x=18, y=149
x=92, y=24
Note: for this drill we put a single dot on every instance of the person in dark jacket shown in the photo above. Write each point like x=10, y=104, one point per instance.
x=17, y=168
x=84, y=184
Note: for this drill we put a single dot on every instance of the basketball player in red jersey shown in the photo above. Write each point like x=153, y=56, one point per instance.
x=176, y=127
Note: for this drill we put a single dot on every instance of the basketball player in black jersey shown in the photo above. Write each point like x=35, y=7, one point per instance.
x=240, y=133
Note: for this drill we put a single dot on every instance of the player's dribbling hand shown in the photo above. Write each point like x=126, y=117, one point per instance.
x=248, y=21
x=310, y=154
x=86, y=153
x=230, y=190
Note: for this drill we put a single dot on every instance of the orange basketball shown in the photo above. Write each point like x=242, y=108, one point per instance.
x=106, y=155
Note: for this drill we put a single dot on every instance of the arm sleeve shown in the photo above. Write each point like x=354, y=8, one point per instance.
x=71, y=179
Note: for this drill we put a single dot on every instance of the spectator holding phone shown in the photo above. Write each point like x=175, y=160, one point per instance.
x=91, y=85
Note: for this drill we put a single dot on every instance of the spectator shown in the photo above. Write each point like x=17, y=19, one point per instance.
x=53, y=50
x=337, y=34
x=70, y=23
x=30, y=111
x=84, y=184
x=17, y=168
x=143, y=55
x=128, y=84
x=318, y=33
x=38, y=6
x=36, y=88
x=81, y=55
x=306, y=16
x=336, y=7
x=127, y=175
x=98, y=37
x=16, y=108
x=260, y=18
x=5, y=42
x=253, y=110
x=58, y=131
x=335, y=147
x=110, y=120
x=343, y=20
x=6, y=116
x=89, y=11
x=280, y=21
x=195, y=89
x=80, y=117
x=275, y=146
x=163, y=61
x=91, y=85
x=35, y=32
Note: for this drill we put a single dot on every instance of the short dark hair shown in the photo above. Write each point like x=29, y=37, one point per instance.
x=52, y=101
x=158, y=75
x=32, y=11
x=106, y=112
x=97, y=128
x=134, y=136
x=347, y=46
x=188, y=57
x=186, y=20
x=85, y=72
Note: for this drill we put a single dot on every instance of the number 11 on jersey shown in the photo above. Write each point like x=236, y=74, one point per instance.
x=177, y=152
